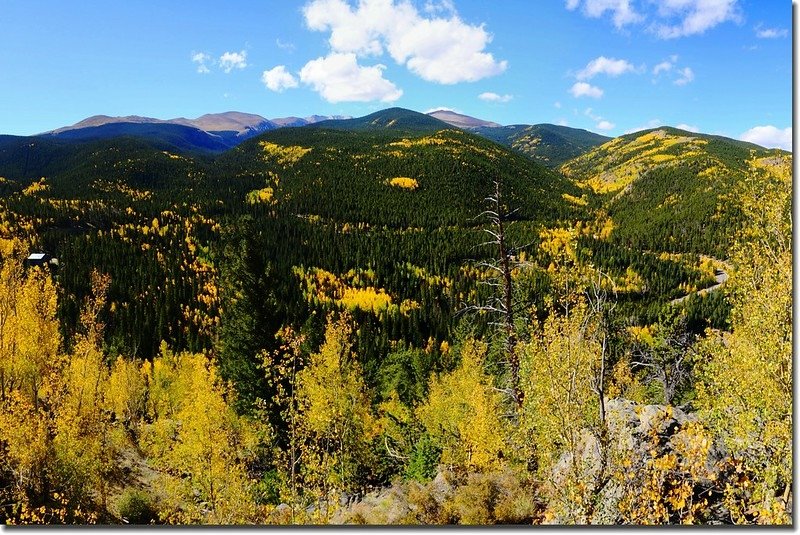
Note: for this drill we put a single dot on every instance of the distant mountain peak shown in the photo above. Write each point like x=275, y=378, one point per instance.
x=460, y=120
x=397, y=119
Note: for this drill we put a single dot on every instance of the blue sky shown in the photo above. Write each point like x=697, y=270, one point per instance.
x=610, y=66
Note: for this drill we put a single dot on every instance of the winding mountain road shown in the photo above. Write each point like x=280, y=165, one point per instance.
x=719, y=275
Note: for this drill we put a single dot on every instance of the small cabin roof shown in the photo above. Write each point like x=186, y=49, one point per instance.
x=37, y=256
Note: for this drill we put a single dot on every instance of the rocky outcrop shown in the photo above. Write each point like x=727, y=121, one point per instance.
x=656, y=453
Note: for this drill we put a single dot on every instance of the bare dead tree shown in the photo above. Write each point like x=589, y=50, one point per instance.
x=601, y=305
x=502, y=303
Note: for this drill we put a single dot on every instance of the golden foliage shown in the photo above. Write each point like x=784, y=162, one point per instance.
x=578, y=201
x=404, y=182
x=463, y=413
x=616, y=164
x=557, y=378
x=36, y=187
x=263, y=195
x=334, y=414
x=745, y=386
x=352, y=291
x=284, y=155
x=198, y=442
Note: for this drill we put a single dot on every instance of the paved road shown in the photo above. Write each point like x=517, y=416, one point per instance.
x=719, y=275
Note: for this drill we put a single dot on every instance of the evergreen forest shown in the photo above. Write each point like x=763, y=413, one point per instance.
x=389, y=320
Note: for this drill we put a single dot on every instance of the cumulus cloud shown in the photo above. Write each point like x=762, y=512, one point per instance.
x=202, y=60
x=278, y=79
x=441, y=49
x=605, y=125
x=770, y=33
x=686, y=76
x=769, y=136
x=494, y=97
x=687, y=127
x=233, y=60
x=693, y=16
x=668, y=18
x=604, y=65
x=339, y=78
x=583, y=89
x=621, y=11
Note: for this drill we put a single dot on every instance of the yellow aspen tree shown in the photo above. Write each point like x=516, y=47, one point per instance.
x=745, y=387
x=463, y=413
x=29, y=366
x=126, y=393
x=199, y=444
x=334, y=414
x=83, y=441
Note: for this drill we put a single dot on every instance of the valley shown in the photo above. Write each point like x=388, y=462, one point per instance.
x=337, y=313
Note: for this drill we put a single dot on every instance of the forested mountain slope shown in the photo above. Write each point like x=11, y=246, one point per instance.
x=268, y=334
x=167, y=136
x=668, y=189
x=548, y=144
x=398, y=119
x=394, y=177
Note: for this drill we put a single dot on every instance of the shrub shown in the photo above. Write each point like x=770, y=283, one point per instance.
x=136, y=506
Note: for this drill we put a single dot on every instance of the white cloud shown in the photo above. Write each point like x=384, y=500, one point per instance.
x=664, y=66
x=621, y=10
x=602, y=124
x=770, y=33
x=582, y=89
x=562, y=122
x=604, y=65
x=686, y=76
x=201, y=58
x=769, y=136
x=494, y=97
x=233, y=60
x=339, y=78
x=668, y=18
x=681, y=76
x=687, y=127
x=437, y=49
x=278, y=79
x=695, y=16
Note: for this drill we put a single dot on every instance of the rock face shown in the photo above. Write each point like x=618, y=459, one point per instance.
x=652, y=449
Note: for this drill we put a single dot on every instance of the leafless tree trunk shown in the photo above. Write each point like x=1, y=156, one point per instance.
x=502, y=304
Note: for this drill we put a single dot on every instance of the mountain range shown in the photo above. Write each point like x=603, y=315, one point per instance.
x=548, y=144
x=212, y=132
x=390, y=201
